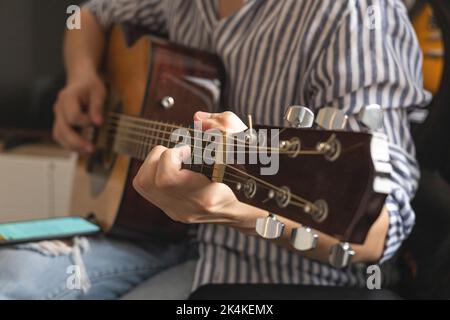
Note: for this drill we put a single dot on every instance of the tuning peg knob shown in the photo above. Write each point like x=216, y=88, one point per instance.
x=371, y=116
x=251, y=136
x=299, y=117
x=304, y=239
x=269, y=227
x=341, y=255
x=331, y=119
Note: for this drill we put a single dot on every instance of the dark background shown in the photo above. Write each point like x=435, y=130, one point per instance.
x=31, y=71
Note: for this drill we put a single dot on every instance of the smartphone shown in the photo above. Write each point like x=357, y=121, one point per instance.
x=45, y=229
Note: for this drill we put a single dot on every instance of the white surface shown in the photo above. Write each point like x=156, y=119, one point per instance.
x=34, y=186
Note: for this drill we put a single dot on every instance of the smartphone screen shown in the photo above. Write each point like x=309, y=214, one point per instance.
x=45, y=229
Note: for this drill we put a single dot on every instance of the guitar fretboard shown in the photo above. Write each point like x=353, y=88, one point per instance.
x=136, y=137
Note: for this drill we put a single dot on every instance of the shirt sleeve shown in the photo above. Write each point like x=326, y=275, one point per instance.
x=373, y=57
x=149, y=14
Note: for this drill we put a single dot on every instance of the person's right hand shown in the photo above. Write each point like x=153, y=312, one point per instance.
x=79, y=104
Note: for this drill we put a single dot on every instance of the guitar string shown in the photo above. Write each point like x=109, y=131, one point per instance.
x=120, y=116
x=243, y=180
x=142, y=123
x=260, y=181
x=121, y=126
x=280, y=151
x=149, y=144
x=113, y=134
x=302, y=202
x=293, y=203
x=298, y=198
x=176, y=126
x=148, y=129
x=134, y=120
x=165, y=132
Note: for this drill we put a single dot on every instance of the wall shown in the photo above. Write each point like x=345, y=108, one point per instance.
x=31, y=34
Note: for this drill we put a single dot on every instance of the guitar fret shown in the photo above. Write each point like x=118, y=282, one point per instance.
x=166, y=129
x=138, y=141
x=151, y=138
x=141, y=145
x=144, y=143
x=137, y=144
x=163, y=130
x=159, y=140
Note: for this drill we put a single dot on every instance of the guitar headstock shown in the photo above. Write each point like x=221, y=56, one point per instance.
x=327, y=179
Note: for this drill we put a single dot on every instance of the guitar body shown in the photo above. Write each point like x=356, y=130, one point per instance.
x=142, y=72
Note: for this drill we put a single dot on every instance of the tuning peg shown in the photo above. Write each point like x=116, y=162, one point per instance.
x=269, y=227
x=299, y=117
x=304, y=239
x=250, y=135
x=379, y=151
x=371, y=116
x=331, y=119
x=341, y=255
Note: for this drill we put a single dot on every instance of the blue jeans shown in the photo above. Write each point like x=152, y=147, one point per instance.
x=114, y=267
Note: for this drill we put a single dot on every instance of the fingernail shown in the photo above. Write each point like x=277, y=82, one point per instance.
x=203, y=115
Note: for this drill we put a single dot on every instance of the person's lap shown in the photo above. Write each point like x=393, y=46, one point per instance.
x=174, y=283
x=114, y=268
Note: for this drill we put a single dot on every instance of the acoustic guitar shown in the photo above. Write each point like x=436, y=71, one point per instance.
x=329, y=180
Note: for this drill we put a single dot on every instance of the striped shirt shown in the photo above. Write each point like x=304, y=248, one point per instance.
x=340, y=53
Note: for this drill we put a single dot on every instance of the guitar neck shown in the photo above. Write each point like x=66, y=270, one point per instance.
x=136, y=137
x=139, y=142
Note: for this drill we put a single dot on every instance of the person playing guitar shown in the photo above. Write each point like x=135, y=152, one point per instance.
x=341, y=54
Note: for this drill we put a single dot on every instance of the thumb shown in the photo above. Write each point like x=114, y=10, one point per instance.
x=225, y=121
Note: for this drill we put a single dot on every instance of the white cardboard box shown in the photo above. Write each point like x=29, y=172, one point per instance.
x=35, y=182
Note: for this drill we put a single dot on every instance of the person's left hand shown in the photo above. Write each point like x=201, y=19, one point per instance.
x=186, y=196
